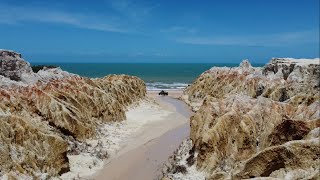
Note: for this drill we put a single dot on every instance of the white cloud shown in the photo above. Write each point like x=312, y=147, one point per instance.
x=131, y=9
x=15, y=15
x=179, y=29
x=310, y=36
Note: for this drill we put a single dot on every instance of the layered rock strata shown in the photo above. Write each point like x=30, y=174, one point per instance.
x=257, y=122
x=39, y=119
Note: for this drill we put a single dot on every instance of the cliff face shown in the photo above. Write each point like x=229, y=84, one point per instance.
x=257, y=122
x=12, y=65
x=16, y=72
x=39, y=118
x=281, y=80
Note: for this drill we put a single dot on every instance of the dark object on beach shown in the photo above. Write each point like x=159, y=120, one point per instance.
x=37, y=68
x=163, y=93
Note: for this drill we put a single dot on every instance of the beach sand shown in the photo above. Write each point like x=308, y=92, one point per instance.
x=142, y=154
x=139, y=146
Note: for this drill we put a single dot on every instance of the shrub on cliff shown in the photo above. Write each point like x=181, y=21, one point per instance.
x=36, y=68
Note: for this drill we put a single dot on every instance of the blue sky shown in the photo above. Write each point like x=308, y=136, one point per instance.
x=160, y=31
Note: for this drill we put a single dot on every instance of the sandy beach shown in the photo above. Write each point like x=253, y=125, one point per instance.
x=145, y=151
x=139, y=146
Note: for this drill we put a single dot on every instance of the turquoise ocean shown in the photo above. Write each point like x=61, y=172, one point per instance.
x=168, y=76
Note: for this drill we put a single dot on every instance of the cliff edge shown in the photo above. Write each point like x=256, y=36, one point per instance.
x=47, y=115
x=256, y=122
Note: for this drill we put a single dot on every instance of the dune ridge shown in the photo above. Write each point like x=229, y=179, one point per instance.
x=44, y=118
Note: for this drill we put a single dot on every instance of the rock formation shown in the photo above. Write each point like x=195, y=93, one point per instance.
x=40, y=118
x=16, y=72
x=280, y=80
x=12, y=65
x=257, y=122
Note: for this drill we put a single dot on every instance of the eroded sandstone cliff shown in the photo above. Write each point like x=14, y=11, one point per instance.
x=41, y=117
x=280, y=80
x=257, y=122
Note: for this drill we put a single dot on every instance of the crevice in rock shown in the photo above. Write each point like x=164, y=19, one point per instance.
x=62, y=129
x=190, y=160
x=283, y=95
x=259, y=90
x=288, y=130
x=275, y=164
x=65, y=169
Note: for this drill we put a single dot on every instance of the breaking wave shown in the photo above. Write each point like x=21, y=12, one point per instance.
x=165, y=86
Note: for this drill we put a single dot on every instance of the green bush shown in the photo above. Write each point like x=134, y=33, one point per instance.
x=36, y=68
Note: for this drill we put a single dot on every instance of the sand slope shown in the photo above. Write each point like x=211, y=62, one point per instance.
x=161, y=133
x=140, y=145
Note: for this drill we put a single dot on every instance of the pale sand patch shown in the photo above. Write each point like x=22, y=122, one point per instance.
x=151, y=118
x=180, y=158
x=146, y=152
x=145, y=161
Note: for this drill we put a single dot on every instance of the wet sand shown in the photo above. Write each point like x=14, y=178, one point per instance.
x=145, y=154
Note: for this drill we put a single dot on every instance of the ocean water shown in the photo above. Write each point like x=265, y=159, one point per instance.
x=167, y=76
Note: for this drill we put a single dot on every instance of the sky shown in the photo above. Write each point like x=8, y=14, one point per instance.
x=177, y=31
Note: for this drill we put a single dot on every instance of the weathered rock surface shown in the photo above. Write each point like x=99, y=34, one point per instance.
x=16, y=72
x=299, y=86
x=257, y=122
x=39, y=119
x=12, y=65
